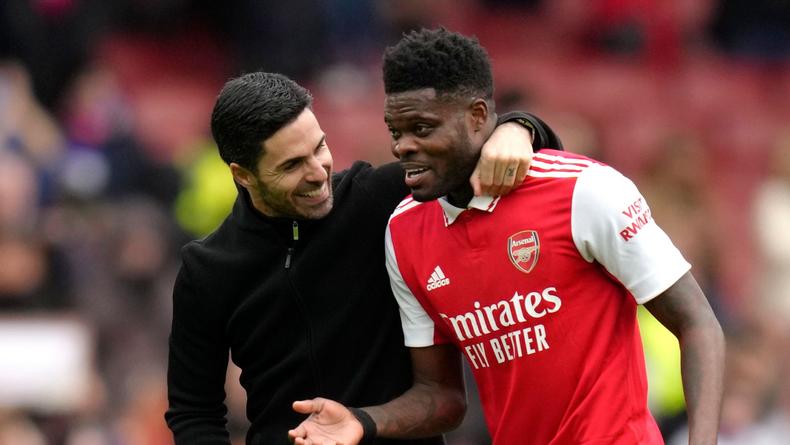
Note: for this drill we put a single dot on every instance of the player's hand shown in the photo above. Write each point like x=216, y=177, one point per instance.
x=504, y=161
x=329, y=423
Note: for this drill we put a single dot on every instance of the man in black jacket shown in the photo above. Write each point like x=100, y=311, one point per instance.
x=293, y=282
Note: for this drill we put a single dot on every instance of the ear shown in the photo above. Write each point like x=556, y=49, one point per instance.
x=478, y=114
x=244, y=177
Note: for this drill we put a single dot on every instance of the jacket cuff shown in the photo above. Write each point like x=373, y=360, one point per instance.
x=543, y=136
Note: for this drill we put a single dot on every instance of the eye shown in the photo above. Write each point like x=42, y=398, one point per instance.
x=290, y=165
x=394, y=133
x=422, y=130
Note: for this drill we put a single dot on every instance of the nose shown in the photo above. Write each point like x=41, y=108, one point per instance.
x=317, y=169
x=404, y=146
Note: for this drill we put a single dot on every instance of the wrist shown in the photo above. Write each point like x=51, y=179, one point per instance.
x=542, y=135
x=368, y=425
x=520, y=119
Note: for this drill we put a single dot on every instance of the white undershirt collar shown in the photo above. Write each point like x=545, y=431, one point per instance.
x=451, y=212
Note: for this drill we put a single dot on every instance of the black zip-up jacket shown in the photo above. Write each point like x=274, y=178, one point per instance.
x=302, y=318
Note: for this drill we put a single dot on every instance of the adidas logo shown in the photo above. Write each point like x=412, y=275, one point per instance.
x=437, y=279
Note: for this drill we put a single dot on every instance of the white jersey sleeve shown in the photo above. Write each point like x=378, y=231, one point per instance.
x=418, y=327
x=611, y=223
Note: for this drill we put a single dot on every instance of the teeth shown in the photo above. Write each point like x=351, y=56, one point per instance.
x=312, y=194
x=415, y=171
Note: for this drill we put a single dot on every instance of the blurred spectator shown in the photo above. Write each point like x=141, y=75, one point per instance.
x=26, y=127
x=756, y=362
x=675, y=182
x=771, y=220
x=104, y=124
x=33, y=275
x=520, y=4
x=753, y=28
x=653, y=30
x=17, y=429
x=289, y=37
x=207, y=193
x=52, y=38
x=236, y=402
x=19, y=192
x=355, y=31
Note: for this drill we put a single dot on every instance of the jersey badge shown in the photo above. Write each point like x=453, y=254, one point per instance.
x=523, y=249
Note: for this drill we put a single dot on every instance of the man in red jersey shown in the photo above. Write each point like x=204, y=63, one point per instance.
x=538, y=289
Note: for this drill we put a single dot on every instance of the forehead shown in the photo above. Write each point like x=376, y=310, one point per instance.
x=298, y=138
x=422, y=103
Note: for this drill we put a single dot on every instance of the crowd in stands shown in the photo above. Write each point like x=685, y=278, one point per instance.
x=107, y=167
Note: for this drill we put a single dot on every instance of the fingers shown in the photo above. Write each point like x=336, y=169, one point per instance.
x=305, y=441
x=506, y=178
x=482, y=176
x=497, y=178
x=297, y=434
x=308, y=406
x=309, y=441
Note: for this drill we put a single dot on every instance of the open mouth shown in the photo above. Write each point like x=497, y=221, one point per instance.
x=412, y=172
x=318, y=194
x=315, y=193
x=415, y=175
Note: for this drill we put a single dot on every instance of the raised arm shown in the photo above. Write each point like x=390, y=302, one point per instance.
x=684, y=310
x=507, y=155
x=435, y=403
x=504, y=160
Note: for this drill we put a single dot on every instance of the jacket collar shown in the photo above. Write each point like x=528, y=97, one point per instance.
x=247, y=217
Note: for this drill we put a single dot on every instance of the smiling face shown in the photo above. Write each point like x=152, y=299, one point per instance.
x=293, y=177
x=437, y=140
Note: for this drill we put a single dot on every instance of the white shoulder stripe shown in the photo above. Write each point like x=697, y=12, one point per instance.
x=547, y=166
x=405, y=206
x=563, y=160
x=554, y=174
x=405, y=201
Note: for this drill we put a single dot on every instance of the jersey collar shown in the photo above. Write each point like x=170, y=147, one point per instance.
x=451, y=212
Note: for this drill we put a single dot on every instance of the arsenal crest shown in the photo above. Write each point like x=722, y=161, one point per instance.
x=523, y=249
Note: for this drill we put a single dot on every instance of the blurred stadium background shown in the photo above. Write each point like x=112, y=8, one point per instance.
x=107, y=167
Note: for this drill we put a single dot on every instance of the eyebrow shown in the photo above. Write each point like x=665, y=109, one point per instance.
x=320, y=143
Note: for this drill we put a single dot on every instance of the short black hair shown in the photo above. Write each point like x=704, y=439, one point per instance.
x=446, y=61
x=250, y=109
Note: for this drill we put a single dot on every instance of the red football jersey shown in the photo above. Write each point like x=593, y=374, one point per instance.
x=538, y=289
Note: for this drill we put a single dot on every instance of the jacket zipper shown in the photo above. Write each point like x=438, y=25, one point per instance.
x=300, y=301
x=295, y=230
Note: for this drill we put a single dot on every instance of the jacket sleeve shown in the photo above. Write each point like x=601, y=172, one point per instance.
x=386, y=187
x=544, y=136
x=197, y=367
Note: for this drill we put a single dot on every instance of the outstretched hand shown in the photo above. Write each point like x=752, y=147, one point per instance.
x=328, y=423
x=504, y=161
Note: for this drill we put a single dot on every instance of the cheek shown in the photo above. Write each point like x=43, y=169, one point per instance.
x=326, y=158
x=283, y=187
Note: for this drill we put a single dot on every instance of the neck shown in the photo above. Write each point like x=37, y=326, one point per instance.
x=461, y=196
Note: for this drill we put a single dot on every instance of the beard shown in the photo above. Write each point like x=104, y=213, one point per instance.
x=453, y=179
x=284, y=205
